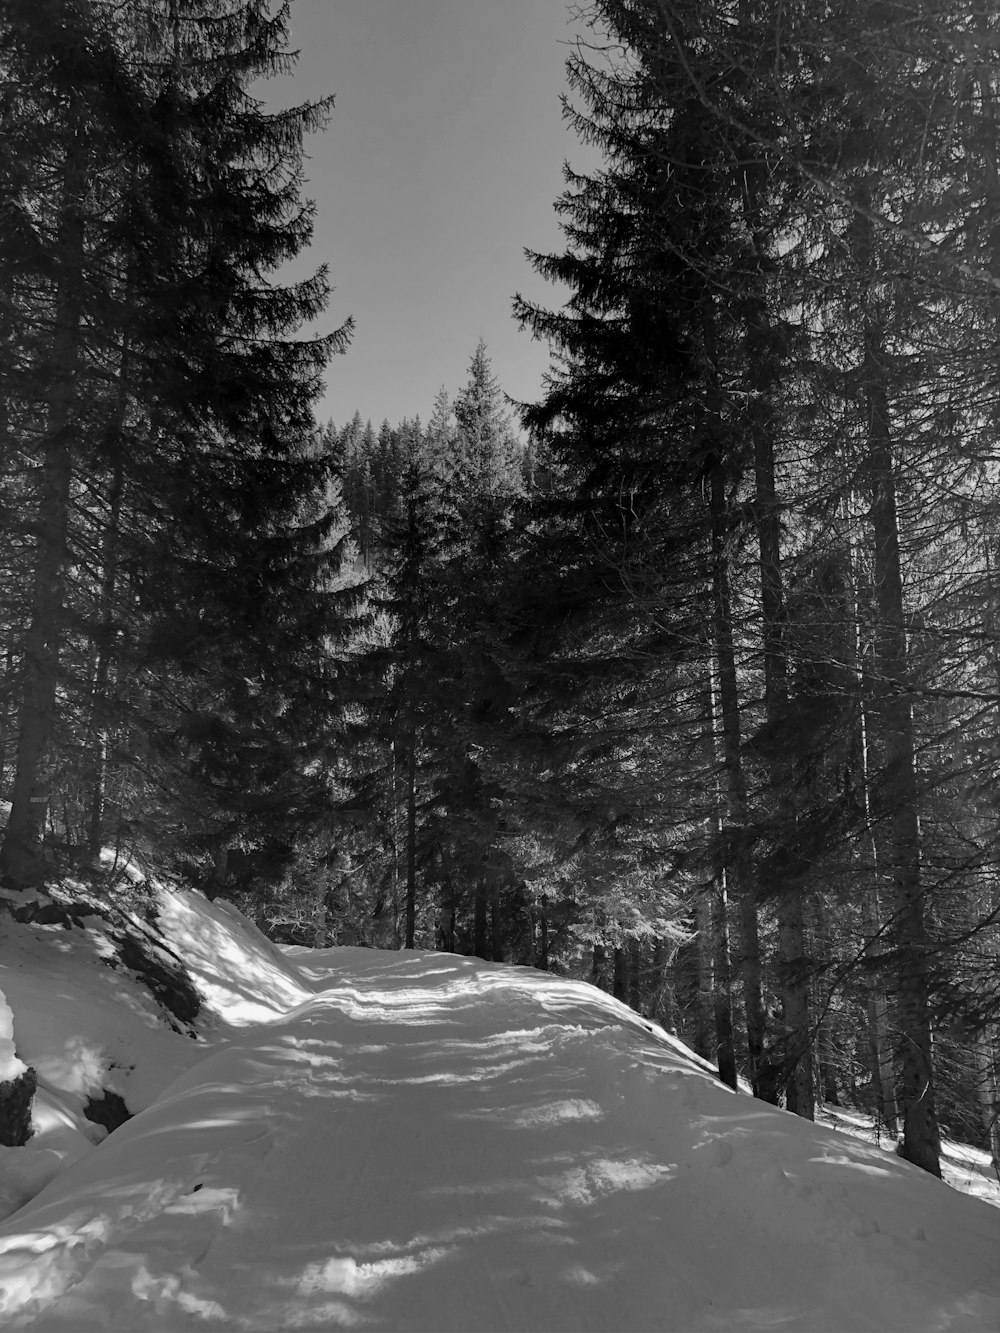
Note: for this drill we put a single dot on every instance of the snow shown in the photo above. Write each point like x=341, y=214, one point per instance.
x=10, y=1066
x=382, y=1141
x=963, y=1167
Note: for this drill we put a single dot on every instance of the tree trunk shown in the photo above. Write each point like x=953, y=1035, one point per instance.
x=989, y=1092
x=724, y=1034
x=496, y=917
x=826, y=1050
x=876, y=1005
x=826, y=1055
x=479, y=942
x=598, y=966
x=107, y=648
x=721, y=981
x=797, y=1070
x=5, y=713
x=760, y=354
x=394, y=873
x=986, y=1042
x=705, y=1038
x=319, y=920
x=619, y=987
x=660, y=1006
x=877, y=1012
x=543, y=936
x=635, y=975
x=449, y=907
x=101, y=701
x=739, y=869
x=411, y=838
x=898, y=796
x=20, y=857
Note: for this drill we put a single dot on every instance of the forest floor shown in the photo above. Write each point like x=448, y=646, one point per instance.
x=360, y=1139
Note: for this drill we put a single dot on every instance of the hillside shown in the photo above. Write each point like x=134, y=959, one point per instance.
x=361, y=1139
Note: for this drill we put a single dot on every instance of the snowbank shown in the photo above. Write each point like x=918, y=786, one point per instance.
x=360, y=1139
x=10, y=1066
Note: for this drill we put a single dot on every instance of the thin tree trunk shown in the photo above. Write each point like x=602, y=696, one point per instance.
x=101, y=701
x=20, y=857
x=660, y=1004
x=826, y=1051
x=479, y=942
x=496, y=917
x=543, y=936
x=760, y=353
x=450, y=905
x=876, y=1005
x=394, y=877
x=826, y=1055
x=987, y=1083
x=739, y=868
x=8, y=676
x=319, y=920
x=411, y=838
x=619, y=985
x=635, y=975
x=724, y=1034
x=721, y=983
x=989, y=1092
x=877, y=1013
x=107, y=650
x=220, y=868
x=705, y=1036
x=598, y=965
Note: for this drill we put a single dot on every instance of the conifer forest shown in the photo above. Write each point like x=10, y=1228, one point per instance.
x=683, y=679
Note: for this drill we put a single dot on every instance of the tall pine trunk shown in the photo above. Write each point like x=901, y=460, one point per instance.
x=101, y=700
x=988, y=1081
x=619, y=983
x=704, y=1025
x=20, y=856
x=738, y=861
x=739, y=867
x=716, y=970
x=761, y=351
x=480, y=915
x=826, y=1051
x=542, y=954
x=898, y=793
x=988, y=1089
x=411, y=837
x=883, y=1078
x=793, y=974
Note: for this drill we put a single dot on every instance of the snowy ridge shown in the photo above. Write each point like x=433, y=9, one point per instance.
x=360, y=1139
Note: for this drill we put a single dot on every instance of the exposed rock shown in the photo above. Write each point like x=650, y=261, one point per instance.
x=108, y=1110
x=165, y=977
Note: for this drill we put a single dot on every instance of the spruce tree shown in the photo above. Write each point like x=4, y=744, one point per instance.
x=198, y=449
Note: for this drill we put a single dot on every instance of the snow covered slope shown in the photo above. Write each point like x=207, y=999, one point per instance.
x=381, y=1141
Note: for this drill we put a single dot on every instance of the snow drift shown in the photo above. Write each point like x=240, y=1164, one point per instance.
x=359, y=1139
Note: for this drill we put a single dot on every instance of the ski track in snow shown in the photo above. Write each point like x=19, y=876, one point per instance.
x=426, y=1142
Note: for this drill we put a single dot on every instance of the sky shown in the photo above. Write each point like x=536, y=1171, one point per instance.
x=441, y=163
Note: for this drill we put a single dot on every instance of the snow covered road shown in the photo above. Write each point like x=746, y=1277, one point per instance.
x=427, y=1142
